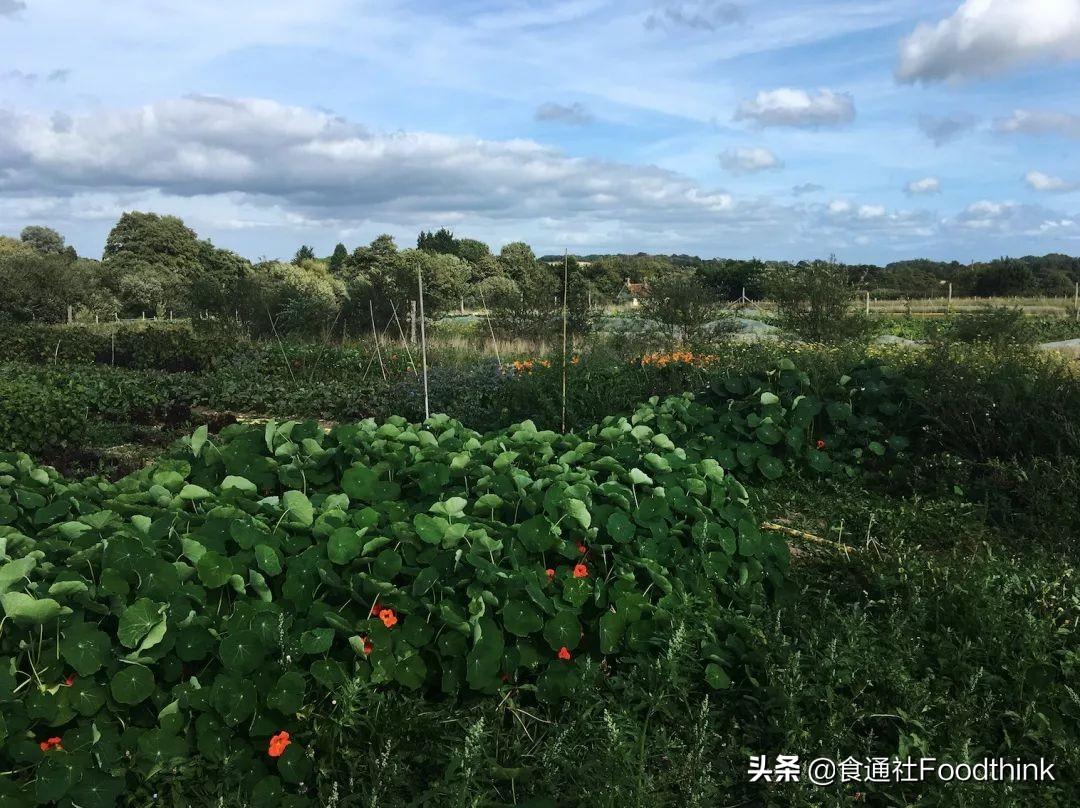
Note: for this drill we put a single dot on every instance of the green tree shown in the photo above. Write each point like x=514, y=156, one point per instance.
x=338, y=259
x=441, y=241
x=43, y=240
x=305, y=253
x=683, y=304
x=150, y=262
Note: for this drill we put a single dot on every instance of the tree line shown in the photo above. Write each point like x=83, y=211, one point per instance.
x=157, y=266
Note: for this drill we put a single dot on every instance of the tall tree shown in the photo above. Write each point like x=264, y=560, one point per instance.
x=338, y=259
x=43, y=240
x=305, y=253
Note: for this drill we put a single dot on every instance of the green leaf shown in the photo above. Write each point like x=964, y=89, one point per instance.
x=317, y=640
x=242, y=652
x=28, y=611
x=521, y=619
x=288, y=694
x=136, y=621
x=768, y=399
x=717, y=677
x=538, y=534
x=194, y=492
x=770, y=467
x=620, y=528
x=344, y=545
x=563, y=630
x=299, y=507
x=198, y=440
x=85, y=648
x=132, y=685
x=214, y=569
x=579, y=511
x=235, y=483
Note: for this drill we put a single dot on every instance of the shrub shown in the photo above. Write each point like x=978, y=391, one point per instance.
x=814, y=301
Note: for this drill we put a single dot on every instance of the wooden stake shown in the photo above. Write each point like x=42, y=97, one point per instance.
x=423, y=341
x=802, y=534
x=404, y=342
x=412, y=321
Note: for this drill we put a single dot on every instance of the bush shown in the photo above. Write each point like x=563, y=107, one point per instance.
x=814, y=301
x=999, y=326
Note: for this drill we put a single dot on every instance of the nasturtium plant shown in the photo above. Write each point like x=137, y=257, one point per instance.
x=202, y=605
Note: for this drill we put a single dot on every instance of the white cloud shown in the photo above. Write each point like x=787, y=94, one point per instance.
x=1035, y=122
x=1039, y=181
x=807, y=188
x=792, y=107
x=926, y=185
x=838, y=206
x=574, y=114
x=984, y=37
x=329, y=167
x=748, y=160
x=871, y=211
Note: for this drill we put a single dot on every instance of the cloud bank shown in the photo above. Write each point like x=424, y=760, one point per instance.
x=798, y=108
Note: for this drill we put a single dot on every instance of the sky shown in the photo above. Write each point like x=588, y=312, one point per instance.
x=872, y=130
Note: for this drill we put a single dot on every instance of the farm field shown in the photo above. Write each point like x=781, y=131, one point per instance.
x=262, y=563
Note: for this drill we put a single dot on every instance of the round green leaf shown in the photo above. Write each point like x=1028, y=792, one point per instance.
x=132, y=685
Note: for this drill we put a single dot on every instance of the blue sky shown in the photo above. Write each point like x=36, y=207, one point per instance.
x=872, y=129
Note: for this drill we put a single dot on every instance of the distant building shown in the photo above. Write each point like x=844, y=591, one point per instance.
x=635, y=292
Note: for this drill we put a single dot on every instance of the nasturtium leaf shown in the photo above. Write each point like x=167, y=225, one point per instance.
x=344, y=545
x=768, y=399
x=639, y=477
x=410, y=671
x=521, y=619
x=717, y=677
x=317, y=640
x=214, y=569
x=579, y=511
x=235, y=483
x=288, y=694
x=538, y=534
x=611, y=629
x=770, y=467
x=242, y=652
x=136, y=621
x=29, y=611
x=132, y=684
x=417, y=631
x=298, y=506
x=268, y=559
x=15, y=571
x=194, y=493
x=85, y=648
x=198, y=440
x=357, y=482
x=193, y=643
x=563, y=630
x=294, y=766
x=386, y=565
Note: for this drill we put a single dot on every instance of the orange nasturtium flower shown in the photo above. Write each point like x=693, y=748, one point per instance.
x=49, y=745
x=389, y=619
x=369, y=646
x=564, y=653
x=70, y=680
x=550, y=574
x=278, y=744
x=821, y=444
x=581, y=548
x=581, y=571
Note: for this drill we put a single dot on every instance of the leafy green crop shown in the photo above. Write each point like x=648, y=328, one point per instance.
x=211, y=602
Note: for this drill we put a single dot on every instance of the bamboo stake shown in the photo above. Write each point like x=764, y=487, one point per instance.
x=487, y=316
x=375, y=333
x=423, y=341
x=404, y=341
x=566, y=262
x=802, y=534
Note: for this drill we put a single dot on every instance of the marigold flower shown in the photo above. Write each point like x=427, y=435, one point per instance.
x=50, y=744
x=821, y=444
x=278, y=744
x=550, y=573
x=564, y=653
x=581, y=571
x=389, y=619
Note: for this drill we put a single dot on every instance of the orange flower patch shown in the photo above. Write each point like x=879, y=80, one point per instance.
x=50, y=744
x=389, y=619
x=564, y=653
x=550, y=573
x=278, y=744
x=581, y=571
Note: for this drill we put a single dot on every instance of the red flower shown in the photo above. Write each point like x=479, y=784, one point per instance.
x=49, y=745
x=278, y=744
x=374, y=609
x=389, y=619
x=70, y=680
x=821, y=444
x=581, y=548
x=564, y=653
x=368, y=646
x=581, y=571
x=550, y=573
